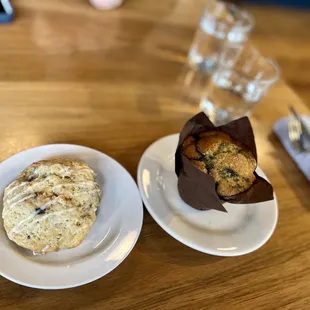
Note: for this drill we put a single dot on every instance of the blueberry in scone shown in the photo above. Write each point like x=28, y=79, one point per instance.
x=51, y=205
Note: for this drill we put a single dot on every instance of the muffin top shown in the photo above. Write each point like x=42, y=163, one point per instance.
x=229, y=162
x=51, y=206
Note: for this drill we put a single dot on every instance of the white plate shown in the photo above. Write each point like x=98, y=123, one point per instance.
x=111, y=239
x=242, y=230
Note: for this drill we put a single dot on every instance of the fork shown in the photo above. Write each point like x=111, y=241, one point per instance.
x=295, y=134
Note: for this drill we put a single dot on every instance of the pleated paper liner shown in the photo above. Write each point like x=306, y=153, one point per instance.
x=197, y=188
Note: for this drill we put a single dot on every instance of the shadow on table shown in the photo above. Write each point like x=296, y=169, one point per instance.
x=161, y=247
x=105, y=288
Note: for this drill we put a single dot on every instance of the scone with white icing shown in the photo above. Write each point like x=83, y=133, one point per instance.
x=51, y=206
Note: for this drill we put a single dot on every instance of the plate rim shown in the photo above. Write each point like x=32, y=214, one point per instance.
x=119, y=262
x=185, y=242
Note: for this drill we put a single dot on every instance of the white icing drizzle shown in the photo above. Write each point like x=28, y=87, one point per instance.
x=37, y=254
x=79, y=184
x=83, y=168
x=50, y=202
x=17, y=196
x=11, y=189
x=14, y=182
x=64, y=170
x=25, y=192
x=43, y=207
x=68, y=170
x=15, y=203
x=18, y=227
x=56, y=213
x=45, y=248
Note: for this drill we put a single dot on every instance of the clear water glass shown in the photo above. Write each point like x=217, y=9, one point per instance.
x=236, y=87
x=219, y=23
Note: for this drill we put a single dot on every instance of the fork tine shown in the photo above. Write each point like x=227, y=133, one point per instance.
x=294, y=133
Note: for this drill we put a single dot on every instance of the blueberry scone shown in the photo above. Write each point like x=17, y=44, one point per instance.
x=51, y=206
x=230, y=163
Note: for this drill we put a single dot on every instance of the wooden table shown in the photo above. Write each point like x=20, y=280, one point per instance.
x=288, y=30
x=71, y=74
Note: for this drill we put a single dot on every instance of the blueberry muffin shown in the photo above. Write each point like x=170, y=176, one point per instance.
x=51, y=206
x=230, y=163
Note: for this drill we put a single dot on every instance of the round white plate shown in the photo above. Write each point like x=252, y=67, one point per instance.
x=110, y=240
x=242, y=230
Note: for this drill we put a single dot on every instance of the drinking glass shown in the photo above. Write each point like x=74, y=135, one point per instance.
x=236, y=87
x=219, y=23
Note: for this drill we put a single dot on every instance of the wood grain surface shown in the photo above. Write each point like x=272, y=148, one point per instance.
x=282, y=33
x=107, y=80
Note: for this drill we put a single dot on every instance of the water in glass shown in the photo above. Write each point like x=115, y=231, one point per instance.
x=235, y=89
x=219, y=23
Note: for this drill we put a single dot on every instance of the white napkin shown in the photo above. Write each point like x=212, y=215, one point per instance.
x=301, y=159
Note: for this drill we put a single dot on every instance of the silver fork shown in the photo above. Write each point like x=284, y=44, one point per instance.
x=295, y=134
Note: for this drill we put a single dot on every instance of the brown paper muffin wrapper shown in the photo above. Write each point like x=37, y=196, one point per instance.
x=197, y=188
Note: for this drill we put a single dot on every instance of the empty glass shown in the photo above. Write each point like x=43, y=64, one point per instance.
x=220, y=22
x=236, y=87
